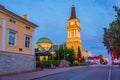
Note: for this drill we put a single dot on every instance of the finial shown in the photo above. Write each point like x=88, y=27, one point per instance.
x=73, y=3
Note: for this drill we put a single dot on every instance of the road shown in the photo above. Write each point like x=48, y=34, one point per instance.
x=87, y=73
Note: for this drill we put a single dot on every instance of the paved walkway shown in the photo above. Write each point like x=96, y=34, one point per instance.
x=36, y=74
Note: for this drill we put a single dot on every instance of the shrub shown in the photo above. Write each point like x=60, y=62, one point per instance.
x=47, y=63
x=44, y=62
x=74, y=64
x=55, y=62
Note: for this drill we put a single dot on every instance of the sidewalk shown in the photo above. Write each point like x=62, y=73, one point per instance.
x=36, y=74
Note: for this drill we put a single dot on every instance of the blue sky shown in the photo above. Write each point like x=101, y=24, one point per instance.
x=52, y=16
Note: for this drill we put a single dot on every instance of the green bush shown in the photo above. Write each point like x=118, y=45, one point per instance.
x=55, y=62
x=47, y=62
x=74, y=64
x=44, y=62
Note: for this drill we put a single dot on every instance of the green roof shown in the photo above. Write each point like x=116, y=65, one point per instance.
x=44, y=40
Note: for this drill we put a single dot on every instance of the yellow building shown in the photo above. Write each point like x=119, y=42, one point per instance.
x=73, y=31
x=16, y=33
x=86, y=53
x=43, y=45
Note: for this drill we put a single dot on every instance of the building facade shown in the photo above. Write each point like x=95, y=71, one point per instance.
x=16, y=42
x=86, y=53
x=16, y=33
x=73, y=32
x=43, y=47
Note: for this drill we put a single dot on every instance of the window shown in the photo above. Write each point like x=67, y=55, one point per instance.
x=27, y=41
x=12, y=38
x=27, y=27
x=12, y=21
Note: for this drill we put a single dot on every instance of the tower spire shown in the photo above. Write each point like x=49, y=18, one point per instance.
x=73, y=13
x=73, y=3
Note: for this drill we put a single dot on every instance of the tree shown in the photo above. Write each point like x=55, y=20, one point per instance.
x=80, y=58
x=71, y=55
x=79, y=53
x=101, y=59
x=59, y=54
x=83, y=59
x=111, y=37
x=68, y=53
x=100, y=56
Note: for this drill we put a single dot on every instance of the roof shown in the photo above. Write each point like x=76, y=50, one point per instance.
x=86, y=53
x=47, y=53
x=73, y=13
x=7, y=12
x=56, y=47
x=44, y=40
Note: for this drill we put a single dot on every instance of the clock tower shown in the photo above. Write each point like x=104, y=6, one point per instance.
x=73, y=32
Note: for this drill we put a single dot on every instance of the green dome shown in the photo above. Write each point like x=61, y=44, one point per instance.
x=44, y=40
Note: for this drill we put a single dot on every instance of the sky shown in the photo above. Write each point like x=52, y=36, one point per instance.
x=52, y=16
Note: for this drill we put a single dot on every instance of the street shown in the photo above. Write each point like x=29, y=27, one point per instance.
x=87, y=73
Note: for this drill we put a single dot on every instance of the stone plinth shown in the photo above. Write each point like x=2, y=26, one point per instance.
x=14, y=63
x=63, y=63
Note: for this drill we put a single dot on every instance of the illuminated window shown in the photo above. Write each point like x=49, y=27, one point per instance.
x=12, y=38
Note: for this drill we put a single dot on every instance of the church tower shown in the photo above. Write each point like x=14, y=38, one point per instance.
x=73, y=32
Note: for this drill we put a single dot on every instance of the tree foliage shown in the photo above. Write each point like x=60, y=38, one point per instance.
x=112, y=35
x=68, y=53
x=79, y=53
x=101, y=59
x=59, y=54
x=100, y=56
x=80, y=58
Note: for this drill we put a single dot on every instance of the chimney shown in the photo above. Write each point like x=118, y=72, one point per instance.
x=25, y=17
x=2, y=7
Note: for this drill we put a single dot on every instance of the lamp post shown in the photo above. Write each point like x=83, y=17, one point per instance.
x=64, y=50
x=58, y=52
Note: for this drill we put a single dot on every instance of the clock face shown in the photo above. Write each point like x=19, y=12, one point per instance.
x=72, y=23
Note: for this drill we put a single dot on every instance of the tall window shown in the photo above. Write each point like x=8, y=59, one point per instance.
x=12, y=38
x=27, y=41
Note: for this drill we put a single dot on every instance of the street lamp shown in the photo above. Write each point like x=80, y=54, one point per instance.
x=64, y=50
x=58, y=52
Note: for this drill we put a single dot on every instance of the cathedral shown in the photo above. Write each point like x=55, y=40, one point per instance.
x=73, y=31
